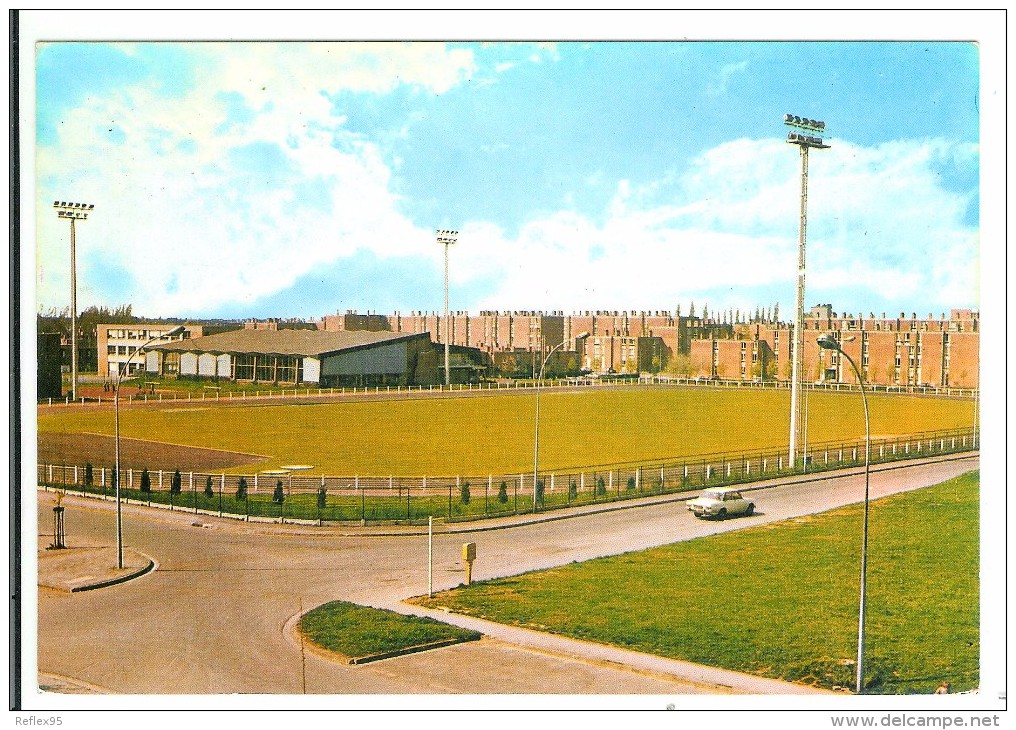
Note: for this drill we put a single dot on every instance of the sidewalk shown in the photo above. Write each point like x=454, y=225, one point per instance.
x=74, y=569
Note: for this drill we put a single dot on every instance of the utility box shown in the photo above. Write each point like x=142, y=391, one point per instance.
x=469, y=555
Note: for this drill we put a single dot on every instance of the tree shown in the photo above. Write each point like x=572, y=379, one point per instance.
x=89, y=475
x=539, y=492
x=464, y=493
x=176, y=484
x=209, y=491
x=279, y=494
x=601, y=487
x=502, y=493
x=322, y=497
x=573, y=490
x=146, y=481
x=241, y=489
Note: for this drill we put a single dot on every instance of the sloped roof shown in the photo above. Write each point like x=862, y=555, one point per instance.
x=284, y=342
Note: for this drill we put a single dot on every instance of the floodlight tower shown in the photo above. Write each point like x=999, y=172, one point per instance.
x=447, y=238
x=73, y=212
x=805, y=134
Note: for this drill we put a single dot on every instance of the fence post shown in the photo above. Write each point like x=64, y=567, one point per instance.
x=222, y=486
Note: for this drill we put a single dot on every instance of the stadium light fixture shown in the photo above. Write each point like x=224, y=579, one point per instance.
x=447, y=238
x=73, y=212
x=805, y=134
x=120, y=369
x=828, y=342
x=536, y=437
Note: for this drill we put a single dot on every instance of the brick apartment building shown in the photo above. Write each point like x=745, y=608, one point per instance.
x=905, y=350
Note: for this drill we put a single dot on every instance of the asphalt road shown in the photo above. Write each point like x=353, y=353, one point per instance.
x=212, y=617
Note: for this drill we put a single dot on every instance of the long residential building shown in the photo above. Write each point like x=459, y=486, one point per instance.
x=908, y=350
x=940, y=351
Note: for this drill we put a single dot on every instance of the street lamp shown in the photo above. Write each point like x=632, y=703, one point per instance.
x=536, y=438
x=828, y=342
x=73, y=212
x=447, y=238
x=116, y=430
x=806, y=134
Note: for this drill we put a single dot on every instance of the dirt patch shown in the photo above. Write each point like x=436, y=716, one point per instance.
x=79, y=449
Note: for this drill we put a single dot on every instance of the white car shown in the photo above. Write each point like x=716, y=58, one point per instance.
x=720, y=503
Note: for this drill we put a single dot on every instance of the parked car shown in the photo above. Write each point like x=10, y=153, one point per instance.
x=720, y=503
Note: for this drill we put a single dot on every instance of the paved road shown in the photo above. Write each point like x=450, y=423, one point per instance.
x=213, y=616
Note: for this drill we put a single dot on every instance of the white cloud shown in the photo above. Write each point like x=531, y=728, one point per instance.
x=194, y=213
x=187, y=221
x=879, y=220
x=719, y=87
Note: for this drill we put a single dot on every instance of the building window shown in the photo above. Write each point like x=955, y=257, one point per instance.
x=243, y=367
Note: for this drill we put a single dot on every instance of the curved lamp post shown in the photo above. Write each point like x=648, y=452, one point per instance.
x=536, y=438
x=828, y=342
x=116, y=430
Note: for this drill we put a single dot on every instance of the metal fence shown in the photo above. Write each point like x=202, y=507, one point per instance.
x=320, y=499
x=502, y=386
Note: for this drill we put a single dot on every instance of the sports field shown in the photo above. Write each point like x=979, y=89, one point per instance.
x=493, y=433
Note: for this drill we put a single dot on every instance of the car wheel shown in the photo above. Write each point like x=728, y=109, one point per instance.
x=722, y=514
x=750, y=511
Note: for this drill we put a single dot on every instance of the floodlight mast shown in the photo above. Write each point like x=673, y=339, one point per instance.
x=447, y=238
x=806, y=135
x=73, y=212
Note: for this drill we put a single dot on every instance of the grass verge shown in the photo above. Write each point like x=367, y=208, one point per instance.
x=359, y=632
x=780, y=600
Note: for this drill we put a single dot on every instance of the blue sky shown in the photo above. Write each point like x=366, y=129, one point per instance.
x=299, y=179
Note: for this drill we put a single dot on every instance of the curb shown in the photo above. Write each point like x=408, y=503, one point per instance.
x=116, y=581
x=412, y=650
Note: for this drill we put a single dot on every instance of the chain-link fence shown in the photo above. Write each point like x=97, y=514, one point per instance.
x=303, y=497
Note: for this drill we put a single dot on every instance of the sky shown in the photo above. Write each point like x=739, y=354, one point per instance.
x=299, y=179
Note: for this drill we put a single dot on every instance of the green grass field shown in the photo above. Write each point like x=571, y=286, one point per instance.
x=780, y=600
x=494, y=433
x=358, y=631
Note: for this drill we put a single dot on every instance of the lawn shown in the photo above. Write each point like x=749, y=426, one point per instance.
x=780, y=600
x=494, y=433
x=360, y=632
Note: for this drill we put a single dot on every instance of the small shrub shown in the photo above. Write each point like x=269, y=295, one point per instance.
x=322, y=497
x=573, y=490
x=278, y=495
x=241, y=489
x=146, y=481
x=502, y=493
x=539, y=492
x=601, y=487
x=209, y=491
x=464, y=493
x=89, y=475
x=631, y=484
x=176, y=484
x=112, y=477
